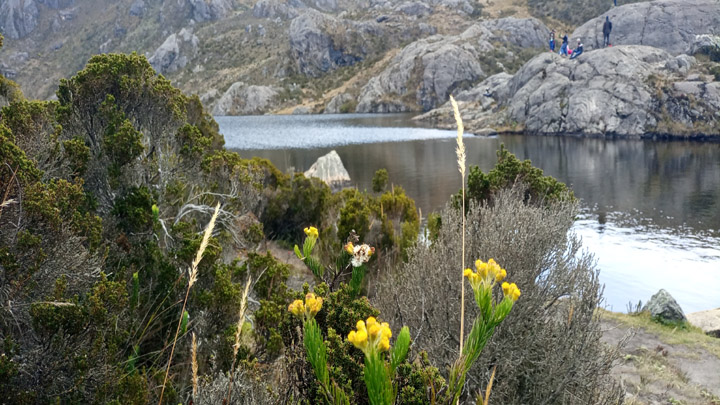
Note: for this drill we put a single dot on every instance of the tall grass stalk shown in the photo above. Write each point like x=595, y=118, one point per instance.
x=194, y=365
x=238, y=331
x=192, y=278
x=460, y=151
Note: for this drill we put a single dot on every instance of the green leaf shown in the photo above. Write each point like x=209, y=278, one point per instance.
x=316, y=351
x=377, y=380
x=297, y=253
x=358, y=274
x=400, y=350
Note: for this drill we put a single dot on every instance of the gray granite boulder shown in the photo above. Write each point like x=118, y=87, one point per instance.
x=708, y=321
x=241, y=99
x=663, y=306
x=666, y=24
x=330, y=169
x=175, y=52
x=18, y=18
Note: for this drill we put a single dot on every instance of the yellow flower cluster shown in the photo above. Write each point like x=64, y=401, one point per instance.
x=309, y=308
x=371, y=335
x=311, y=232
x=511, y=291
x=487, y=274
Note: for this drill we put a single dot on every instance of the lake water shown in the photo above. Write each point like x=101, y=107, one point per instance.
x=650, y=209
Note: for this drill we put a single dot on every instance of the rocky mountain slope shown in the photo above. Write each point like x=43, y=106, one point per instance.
x=621, y=91
x=209, y=45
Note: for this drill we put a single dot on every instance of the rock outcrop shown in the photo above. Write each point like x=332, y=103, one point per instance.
x=207, y=10
x=427, y=71
x=708, y=321
x=335, y=106
x=330, y=169
x=707, y=45
x=666, y=24
x=320, y=43
x=18, y=18
x=272, y=9
x=664, y=307
x=241, y=99
x=623, y=91
x=175, y=52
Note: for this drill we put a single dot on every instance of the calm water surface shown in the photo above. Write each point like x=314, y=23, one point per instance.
x=651, y=210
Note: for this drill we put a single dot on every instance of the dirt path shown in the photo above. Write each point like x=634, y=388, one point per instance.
x=666, y=366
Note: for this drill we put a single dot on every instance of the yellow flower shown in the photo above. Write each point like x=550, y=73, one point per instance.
x=313, y=303
x=309, y=308
x=350, y=248
x=511, y=291
x=297, y=308
x=371, y=335
x=487, y=274
x=311, y=232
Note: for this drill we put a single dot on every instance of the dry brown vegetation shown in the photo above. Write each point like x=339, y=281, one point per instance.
x=548, y=350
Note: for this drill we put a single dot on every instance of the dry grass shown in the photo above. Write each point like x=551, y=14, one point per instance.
x=460, y=152
x=192, y=278
x=238, y=332
x=690, y=336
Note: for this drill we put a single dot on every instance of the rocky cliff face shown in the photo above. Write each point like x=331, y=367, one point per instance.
x=666, y=24
x=18, y=18
x=426, y=72
x=320, y=43
x=623, y=91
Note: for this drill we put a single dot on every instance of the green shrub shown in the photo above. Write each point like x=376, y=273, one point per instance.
x=380, y=180
x=508, y=171
x=355, y=215
x=295, y=206
x=134, y=210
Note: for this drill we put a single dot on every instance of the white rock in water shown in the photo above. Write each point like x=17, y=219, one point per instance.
x=330, y=169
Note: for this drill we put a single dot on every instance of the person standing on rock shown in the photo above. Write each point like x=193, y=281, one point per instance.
x=577, y=51
x=607, y=28
x=564, y=46
x=552, y=41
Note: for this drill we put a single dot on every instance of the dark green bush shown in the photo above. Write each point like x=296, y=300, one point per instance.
x=508, y=171
x=134, y=210
x=380, y=180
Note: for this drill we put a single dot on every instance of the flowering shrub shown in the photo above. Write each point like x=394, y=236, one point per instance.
x=372, y=337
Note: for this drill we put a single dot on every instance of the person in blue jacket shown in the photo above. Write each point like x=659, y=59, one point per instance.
x=577, y=51
x=564, y=46
x=552, y=41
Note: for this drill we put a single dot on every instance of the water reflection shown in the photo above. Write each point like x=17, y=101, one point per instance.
x=650, y=208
